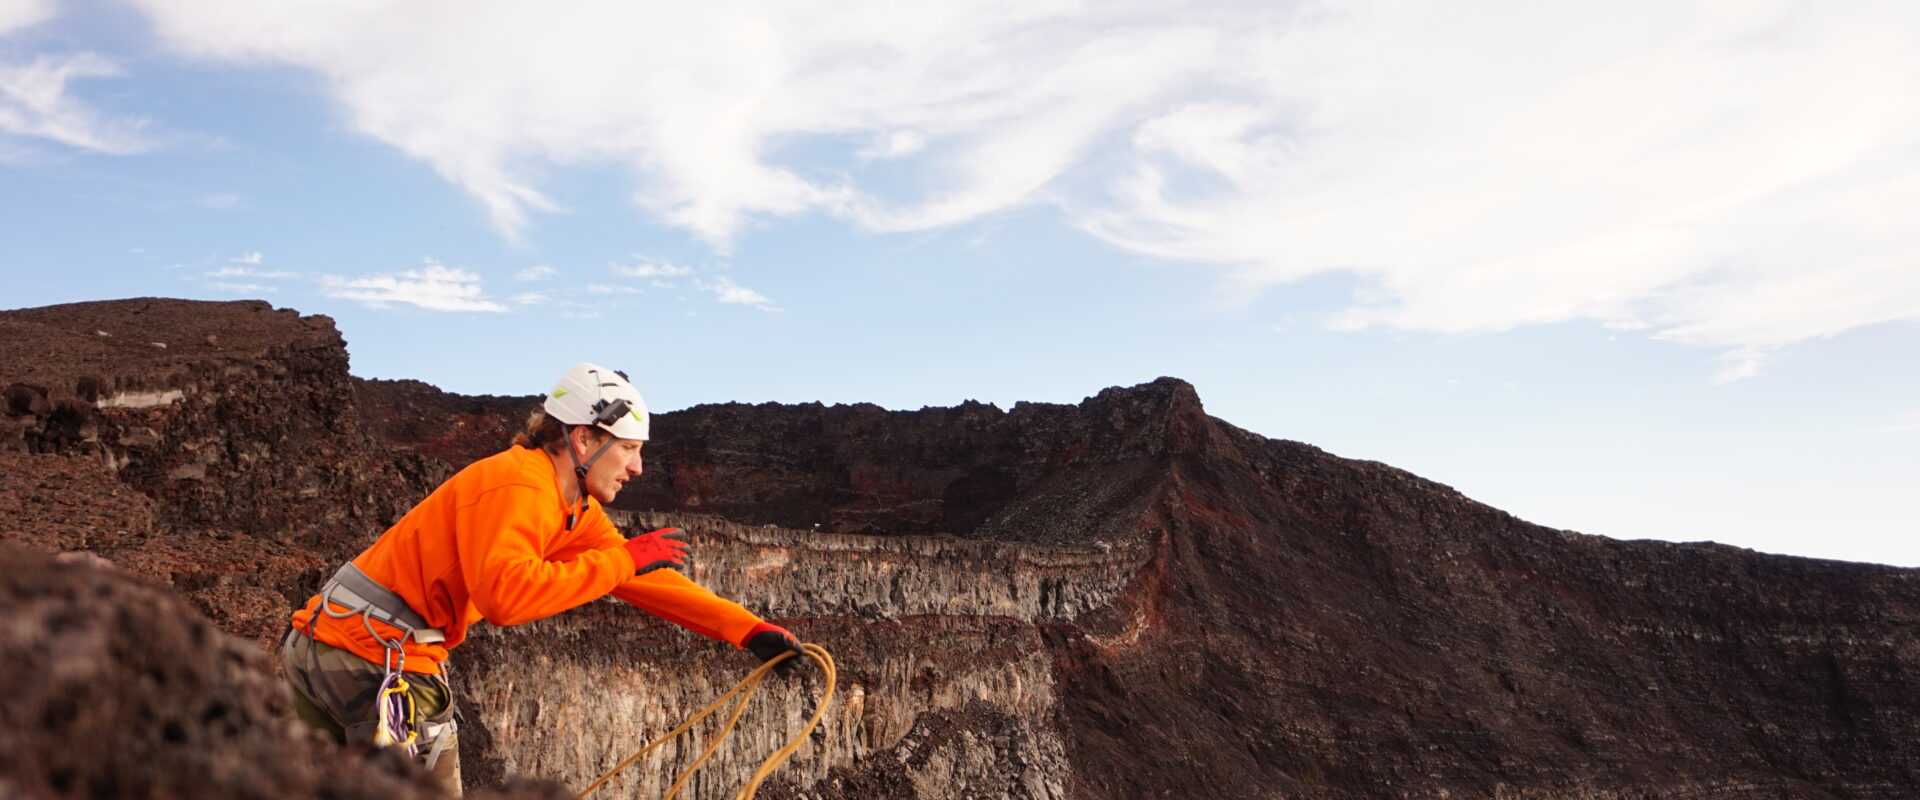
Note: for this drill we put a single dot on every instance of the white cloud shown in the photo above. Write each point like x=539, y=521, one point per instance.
x=609, y=288
x=726, y=291
x=569, y=305
x=541, y=272
x=251, y=258
x=18, y=14
x=993, y=101
x=435, y=287
x=1740, y=363
x=648, y=269
x=1734, y=176
x=1909, y=426
x=242, y=288
x=246, y=272
x=35, y=103
x=893, y=144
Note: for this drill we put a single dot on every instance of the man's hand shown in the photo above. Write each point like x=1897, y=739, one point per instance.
x=656, y=549
x=768, y=641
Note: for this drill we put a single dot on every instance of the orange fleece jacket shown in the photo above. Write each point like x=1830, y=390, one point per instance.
x=491, y=543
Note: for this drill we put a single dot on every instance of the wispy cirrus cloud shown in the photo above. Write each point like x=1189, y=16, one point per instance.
x=1732, y=176
x=613, y=288
x=661, y=275
x=650, y=269
x=18, y=14
x=36, y=103
x=570, y=306
x=231, y=287
x=1726, y=180
x=36, y=100
x=725, y=290
x=247, y=272
x=1909, y=425
x=435, y=287
x=994, y=105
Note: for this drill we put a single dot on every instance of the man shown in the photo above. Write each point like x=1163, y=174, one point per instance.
x=512, y=538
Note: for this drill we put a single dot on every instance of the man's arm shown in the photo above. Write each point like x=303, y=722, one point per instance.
x=675, y=598
x=508, y=573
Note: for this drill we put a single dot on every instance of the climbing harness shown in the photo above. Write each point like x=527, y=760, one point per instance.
x=365, y=596
x=744, y=689
x=400, y=725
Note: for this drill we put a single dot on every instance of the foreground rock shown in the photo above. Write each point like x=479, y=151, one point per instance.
x=1116, y=599
x=118, y=688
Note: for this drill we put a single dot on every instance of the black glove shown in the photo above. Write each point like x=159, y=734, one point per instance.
x=768, y=641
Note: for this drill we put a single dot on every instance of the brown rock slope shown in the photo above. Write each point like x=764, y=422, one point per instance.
x=1124, y=598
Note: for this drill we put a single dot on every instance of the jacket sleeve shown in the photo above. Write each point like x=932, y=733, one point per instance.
x=675, y=598
x=503, y=542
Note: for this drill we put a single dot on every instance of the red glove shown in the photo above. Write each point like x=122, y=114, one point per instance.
x=656, y=549
x=768, y=641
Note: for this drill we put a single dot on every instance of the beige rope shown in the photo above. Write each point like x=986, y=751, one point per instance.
x=744, y=689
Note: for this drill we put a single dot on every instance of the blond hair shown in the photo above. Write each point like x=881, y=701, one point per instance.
x=542, y=433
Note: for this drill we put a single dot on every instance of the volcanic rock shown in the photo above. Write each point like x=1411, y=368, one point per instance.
x=1119, y=598
x=119, y=688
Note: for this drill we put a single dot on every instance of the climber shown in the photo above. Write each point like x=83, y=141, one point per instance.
x=512, y=538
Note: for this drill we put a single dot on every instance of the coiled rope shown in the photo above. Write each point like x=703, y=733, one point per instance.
x=744, y=690
x=399, y=717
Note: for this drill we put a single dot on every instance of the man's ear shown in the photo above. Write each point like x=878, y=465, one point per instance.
x=589, y=440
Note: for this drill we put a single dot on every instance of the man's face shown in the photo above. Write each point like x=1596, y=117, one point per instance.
x=618, y=465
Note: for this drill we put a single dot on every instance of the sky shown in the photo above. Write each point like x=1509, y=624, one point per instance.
x=1635, y=269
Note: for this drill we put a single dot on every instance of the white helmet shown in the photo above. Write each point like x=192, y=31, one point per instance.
x=590, y=394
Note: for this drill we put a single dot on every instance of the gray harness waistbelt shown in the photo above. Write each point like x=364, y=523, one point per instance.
x=352, y=588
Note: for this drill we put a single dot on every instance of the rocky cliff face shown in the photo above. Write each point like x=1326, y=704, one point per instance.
x=1121, y=598
x=214, y=447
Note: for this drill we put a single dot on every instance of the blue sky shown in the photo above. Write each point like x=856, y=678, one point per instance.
x=1644, y=270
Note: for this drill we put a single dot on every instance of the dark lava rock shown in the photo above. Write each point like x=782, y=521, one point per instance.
x=1312, y=626
x=455, y=429
x=1334, y=628
x=55, y=503
x=117, y=688
x=1178, y=608
x=1039, y=473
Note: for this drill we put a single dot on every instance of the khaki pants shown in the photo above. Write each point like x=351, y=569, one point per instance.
x=337, y=692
